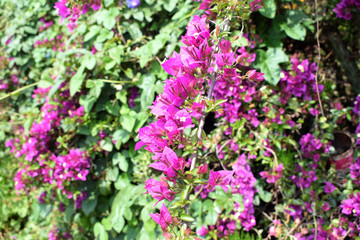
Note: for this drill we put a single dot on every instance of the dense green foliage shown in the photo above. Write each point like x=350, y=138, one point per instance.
x=96, y=83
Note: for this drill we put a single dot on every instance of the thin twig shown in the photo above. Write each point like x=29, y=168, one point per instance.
x=218, y=150
x=319, y=58
x=293, y=229
x=18, y=90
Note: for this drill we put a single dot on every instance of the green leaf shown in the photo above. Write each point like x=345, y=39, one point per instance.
x=28, y=123
x=113, y=108
x=77, y=80
x=116, y=53
x=121, y=95
x=295, y=24
x=89, y=61
x=108, y=2
x=186, y=218
x=106, y=144
x=269, y=9
x=264, y=195
x=110, y=65
x=87, y=101
x=121, y=136
x=268, y=62
x=89, y=204
x=109, y=17
x=55, y=88
x=95, y=87
x=93, y=31
x=121, y=160
x=106, y=223
x=122, y=181
x=142, y=119
x=100, y=232
x=112, y=174
x=211, y=216
x=128, y=121
x=104, y=35
x=139, y=15
x=118, y=223
x=169, y=5
x=135, y=31
x=69, y=211
x=148, y=93
x=46, y=80
x=297, y=32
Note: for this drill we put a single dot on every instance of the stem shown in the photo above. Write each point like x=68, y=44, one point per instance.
x=114, y=81
x=319, y=58
x=202, y=121
x=314, y=217
x=18, y=90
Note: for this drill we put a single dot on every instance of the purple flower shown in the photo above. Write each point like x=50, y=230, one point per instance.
x=42, y=197
x=164, y=218
x=159, y=190
x=343, y=9
x=325, y=207
x=203, y=231
x=221, y=178
x=356, y=108
x=295, y=211
x=329, y=188
x=132, y=3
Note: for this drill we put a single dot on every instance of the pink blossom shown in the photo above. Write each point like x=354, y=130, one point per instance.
x=164, y=218
x=220, y=178
x=159, y=190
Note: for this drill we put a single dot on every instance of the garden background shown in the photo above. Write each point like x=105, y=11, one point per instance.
x=179, y=119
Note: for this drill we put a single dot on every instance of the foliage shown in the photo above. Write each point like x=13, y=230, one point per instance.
x=216, y=110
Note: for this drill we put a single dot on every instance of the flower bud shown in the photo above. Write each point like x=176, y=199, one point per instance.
x=187, y=231
x=175, y=221
x=217, y=30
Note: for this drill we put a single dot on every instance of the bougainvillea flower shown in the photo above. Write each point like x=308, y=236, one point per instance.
x=347, y=206
x=159, y=190
x=221, y=178
x=64, y=11
x=203, y=231
x=164, y=218
x=169, y=163
x=329, y=188
x=203, y=169
x=255, y=76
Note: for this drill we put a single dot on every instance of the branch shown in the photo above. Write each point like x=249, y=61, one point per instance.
x=318, y=60
x=202, y=120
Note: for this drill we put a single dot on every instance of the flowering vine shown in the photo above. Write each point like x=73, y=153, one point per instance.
x=206, y=62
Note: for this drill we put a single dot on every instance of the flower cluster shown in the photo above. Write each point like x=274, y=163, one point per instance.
x=356, y=108
x=46, y=25
x=351, y=206
x=72, y=11
x=274, y=175
x=176, y=109
x=6, y=83
x=355, y=172
x=238, y=90
x=206, y=64
x=343, y=9
x=244, y=184
x=310, y=148
x=57, y=43
x=44, y=166
x=299, y=81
